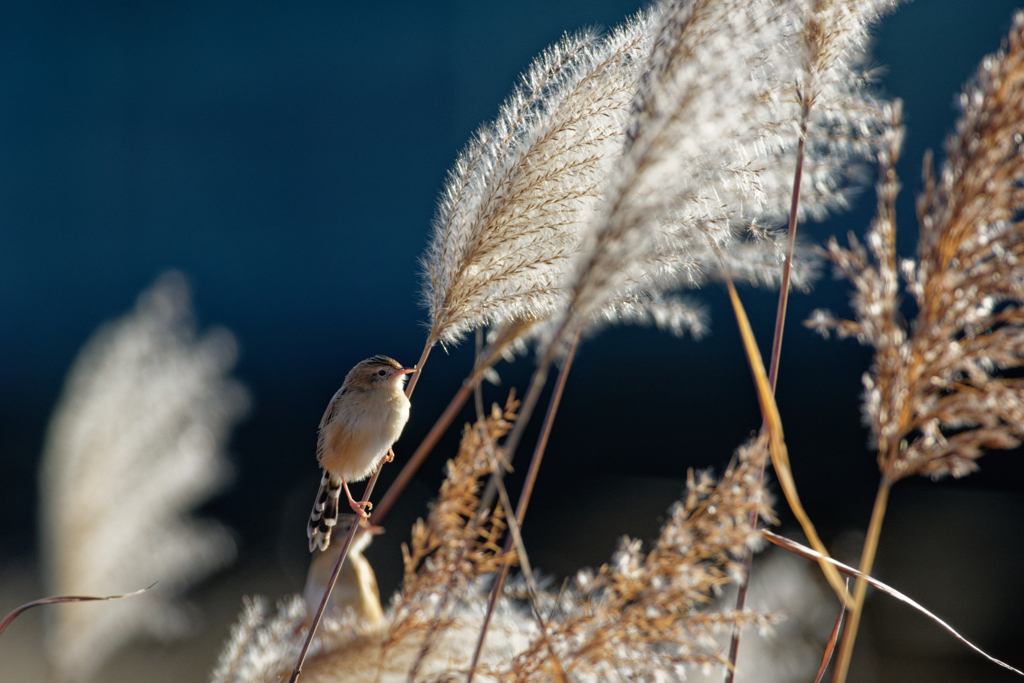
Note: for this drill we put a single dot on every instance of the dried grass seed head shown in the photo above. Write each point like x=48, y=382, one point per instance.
x=645, y=616
x=938, y=395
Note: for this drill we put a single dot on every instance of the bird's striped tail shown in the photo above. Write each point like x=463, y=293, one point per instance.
x=325, y=513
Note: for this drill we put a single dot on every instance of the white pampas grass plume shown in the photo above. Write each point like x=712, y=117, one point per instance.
x=136, y=442
x=709, y=151
x=520, y=194
x=673, y=314
x=261, y=645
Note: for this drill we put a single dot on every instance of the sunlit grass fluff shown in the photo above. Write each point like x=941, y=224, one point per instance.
x=709, y=154
x=516, y=202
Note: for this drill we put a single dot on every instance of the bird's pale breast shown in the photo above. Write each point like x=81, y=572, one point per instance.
x=361, y=431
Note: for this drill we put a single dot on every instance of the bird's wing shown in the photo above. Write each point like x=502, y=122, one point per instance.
x=332, y=407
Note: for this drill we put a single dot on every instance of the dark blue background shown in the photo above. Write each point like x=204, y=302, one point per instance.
x=287, y=159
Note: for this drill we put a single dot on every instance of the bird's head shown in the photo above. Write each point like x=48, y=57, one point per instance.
x=378, y=372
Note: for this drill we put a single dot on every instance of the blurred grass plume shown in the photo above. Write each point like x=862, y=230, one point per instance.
x=134, y=445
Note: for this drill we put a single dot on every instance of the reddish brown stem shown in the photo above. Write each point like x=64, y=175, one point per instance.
x=831, y=645
x=508, y=449
x=419, y=369
x=787, y=267
x=330, y=586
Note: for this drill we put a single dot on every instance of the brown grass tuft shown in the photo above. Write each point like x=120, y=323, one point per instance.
x=644, y=616
x=941, y=391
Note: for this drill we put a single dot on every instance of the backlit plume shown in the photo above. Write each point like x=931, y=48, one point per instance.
x=514, y=207
x=710, y=149
x=136, y=443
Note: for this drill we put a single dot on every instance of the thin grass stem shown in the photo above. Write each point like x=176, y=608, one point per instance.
x=777, y=444
x=515, y=537
x=419, y=369
x=537, y=382
x=787, y=267
x=804, y=551
x=327, y=593
x=17, y=611
x=478, y=392
x=831, y=645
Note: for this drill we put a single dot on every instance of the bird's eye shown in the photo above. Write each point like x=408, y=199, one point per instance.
x=382, y=373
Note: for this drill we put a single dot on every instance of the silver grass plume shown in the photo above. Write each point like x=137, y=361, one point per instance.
x=261, y=644
x=829, y=84
x=709, y=150
x=135, y=443
x=673, y=314
x=754, y=259
x=944, y=390
x=520, y=194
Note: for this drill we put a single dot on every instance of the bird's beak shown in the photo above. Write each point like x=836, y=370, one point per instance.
x=405, y=371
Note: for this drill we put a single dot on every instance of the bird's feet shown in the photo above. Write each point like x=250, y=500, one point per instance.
x=361, y=509
x=390, y=457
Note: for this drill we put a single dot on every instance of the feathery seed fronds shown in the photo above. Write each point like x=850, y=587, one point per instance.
x=450, y=551
x=938, y=394
x=261, y=646
x=644, y=616
x=518, y=197
x=708, y=149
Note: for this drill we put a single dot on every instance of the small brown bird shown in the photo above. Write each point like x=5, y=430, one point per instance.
x=362, y=421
